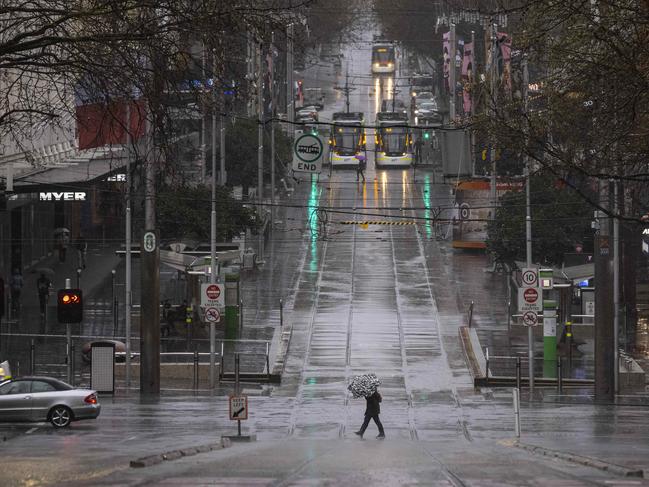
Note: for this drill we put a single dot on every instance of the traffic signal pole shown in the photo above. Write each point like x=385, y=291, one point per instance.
x=528, y=223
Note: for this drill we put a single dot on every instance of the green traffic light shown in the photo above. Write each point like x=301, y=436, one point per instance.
x=426, y=135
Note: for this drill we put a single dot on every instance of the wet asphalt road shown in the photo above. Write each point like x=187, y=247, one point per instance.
x=380, y=298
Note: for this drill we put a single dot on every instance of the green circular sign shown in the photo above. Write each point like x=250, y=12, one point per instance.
x=308, y=148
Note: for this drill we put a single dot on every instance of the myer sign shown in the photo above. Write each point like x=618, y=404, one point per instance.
x=63, y=196
x=307, y=153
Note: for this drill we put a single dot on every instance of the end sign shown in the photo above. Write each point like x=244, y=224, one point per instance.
x=307, y=153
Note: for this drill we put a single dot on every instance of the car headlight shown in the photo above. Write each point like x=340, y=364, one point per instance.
x=377, y=65
x=416, y=111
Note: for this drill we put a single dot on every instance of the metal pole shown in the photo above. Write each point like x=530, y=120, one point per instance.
x=32, y=358
x=212, y=375
x=241, y=313
x=68, y=350
x=290, y=98
x=114, y=303
x=281, y=313
x=487, y=366
x=518, y=373
x=492, y=93
x=203, y=147
x=616, y=290
x=451, y=74
x=196, y=369
x=273, y=99
x=528, y=226
x=128, y=303
x=260, y=141
x=268, y=361
x=517, y=411
x=559, y=375
x=78, y=278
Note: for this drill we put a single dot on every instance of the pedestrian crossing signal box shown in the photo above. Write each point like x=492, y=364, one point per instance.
x=69, y=306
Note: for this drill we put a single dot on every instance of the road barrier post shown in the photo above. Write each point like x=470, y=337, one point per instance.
x=32, y=358
x=195, y=369
x=559, y=376
x=517, y=412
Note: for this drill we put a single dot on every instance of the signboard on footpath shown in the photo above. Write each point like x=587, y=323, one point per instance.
x=530, y=296
x=307, y=153
x=212, y=301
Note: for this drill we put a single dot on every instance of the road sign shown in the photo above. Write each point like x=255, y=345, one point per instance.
x=212, y=295
x=529, y=299
x=212, y=315
x=465, y=211
x=530, y=276
x=530, y=318
x=238, y=408
x=307, y=153
x=149, y=241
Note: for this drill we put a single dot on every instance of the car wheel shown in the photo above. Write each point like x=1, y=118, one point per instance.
x=60, y=416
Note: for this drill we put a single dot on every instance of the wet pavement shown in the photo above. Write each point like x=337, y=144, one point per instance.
x=380, y=298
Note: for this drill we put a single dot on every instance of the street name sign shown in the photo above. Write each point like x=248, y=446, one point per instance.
x=307, y=153
x=238, y=408
x=212, y=295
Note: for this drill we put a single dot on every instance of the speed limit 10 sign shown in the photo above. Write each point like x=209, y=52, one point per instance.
x=530, y=276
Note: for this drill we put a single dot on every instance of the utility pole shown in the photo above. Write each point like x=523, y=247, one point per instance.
x=616, y=288
x=493, y=68
x=528, y=223
x=224, y=177
x=604, y=313
x=451, y=73
x=273, y=101
x=260, y=136
x=290, y=97
x=346, y=90
x=212, y=375
x=203, y=148
x=150, y=266
x=128, y=298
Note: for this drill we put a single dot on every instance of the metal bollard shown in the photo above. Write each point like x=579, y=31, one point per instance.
x=32, y=358
x=281, y=312
x=518, y=373
x=196, y=369
x=241, y=313
x=517, y=412
x=222, y=363
x=559, y=376
x=487, y=366
x=72, y=365
x=267, y=362
x=470, y=314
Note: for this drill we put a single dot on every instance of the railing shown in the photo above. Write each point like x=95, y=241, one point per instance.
x=57, y=354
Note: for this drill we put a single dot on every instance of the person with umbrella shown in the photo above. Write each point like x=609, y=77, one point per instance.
x=362, y=164
x=367, y=386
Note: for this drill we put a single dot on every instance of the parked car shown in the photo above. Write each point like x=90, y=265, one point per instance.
x=46, y=399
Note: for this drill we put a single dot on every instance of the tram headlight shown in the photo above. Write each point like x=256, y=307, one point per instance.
x=390, y=65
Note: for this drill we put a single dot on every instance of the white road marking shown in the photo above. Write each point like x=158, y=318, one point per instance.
x=29, y=432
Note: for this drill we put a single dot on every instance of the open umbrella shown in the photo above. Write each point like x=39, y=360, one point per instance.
x=363, y=385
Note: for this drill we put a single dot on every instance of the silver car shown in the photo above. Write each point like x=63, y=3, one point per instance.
x=46, y=399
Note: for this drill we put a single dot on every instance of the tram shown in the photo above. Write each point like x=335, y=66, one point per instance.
x=394, y=144
x=347, y=139
x=383, y=58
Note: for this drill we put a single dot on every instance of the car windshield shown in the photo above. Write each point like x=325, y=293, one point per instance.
x=428, y=106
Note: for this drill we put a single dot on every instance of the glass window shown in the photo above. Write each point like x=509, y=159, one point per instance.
x=40, y=386
x=16, y=387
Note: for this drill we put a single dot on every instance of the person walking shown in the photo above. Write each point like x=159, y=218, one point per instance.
x=360, y=169
x=43, y=285
x=16, y=286
x=372, y=411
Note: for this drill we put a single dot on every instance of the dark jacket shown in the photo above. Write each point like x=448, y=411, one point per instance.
x=373, y=404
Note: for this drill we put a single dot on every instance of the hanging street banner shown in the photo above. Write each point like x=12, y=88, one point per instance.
x=308, y=150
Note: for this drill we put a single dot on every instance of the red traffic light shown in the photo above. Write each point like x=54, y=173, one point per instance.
x=69, y=306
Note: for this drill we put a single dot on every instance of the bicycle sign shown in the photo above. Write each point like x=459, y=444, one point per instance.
x=530, y=318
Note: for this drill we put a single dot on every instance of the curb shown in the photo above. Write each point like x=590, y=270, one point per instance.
x=151, y=460
x=586, y=461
